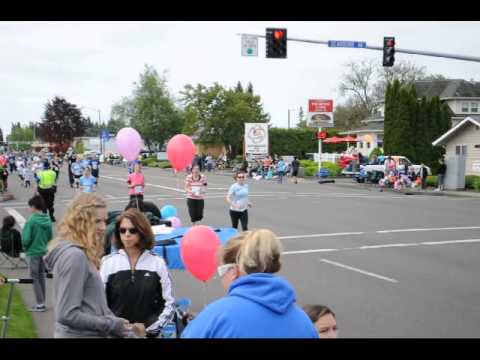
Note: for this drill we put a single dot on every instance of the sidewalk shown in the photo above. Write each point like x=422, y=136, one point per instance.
x=350, y=183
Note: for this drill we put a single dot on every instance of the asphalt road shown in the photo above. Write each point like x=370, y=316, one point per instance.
x=389, y=265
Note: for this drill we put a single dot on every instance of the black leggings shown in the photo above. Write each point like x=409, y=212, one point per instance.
x=48, y=196
x=239, y=215
x=195, y=209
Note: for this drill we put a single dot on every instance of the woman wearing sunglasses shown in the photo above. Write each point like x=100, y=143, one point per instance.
x=237, y=197
x=259, y=304
x=137, y=281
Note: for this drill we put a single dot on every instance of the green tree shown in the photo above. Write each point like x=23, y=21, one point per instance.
x=150, y=109
x=350, y=115
x=114, y=126
x=217, y=115
x=62, y=121
x=239, y=87
x=250, y=88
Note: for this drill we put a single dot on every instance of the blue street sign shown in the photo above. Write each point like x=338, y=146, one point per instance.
x=351, y=44
x=105, y=135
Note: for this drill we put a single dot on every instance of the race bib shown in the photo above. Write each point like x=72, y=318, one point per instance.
x=196, y=190
x=94, y=166
x=138, y=189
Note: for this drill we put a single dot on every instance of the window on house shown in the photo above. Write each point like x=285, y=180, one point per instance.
x=464, y=149
x=464, y=107
x=368, y=145
x=457, y=150
x=360, y=145
x=474, y=107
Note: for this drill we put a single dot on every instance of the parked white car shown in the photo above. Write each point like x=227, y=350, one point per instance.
x=400, y=161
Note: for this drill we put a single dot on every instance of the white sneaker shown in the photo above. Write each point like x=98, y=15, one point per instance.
x=38, y=308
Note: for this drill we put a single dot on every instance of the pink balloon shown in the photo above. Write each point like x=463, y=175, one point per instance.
x=176, y=223
x=199, y=251
x=129, y=143
x=180, y=151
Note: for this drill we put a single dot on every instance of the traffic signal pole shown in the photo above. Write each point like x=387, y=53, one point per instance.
x=397, y=50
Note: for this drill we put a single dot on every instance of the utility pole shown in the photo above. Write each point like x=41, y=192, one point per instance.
x=397, y=50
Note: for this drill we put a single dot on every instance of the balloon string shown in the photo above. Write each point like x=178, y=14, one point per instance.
x=204, y=283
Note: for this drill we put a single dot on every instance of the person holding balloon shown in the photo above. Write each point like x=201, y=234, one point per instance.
x=196, y=187
x=137, y=282
x=237, y=197
x=136, y=185
x=259, y=304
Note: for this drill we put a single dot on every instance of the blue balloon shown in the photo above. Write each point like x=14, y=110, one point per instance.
x=167, y=211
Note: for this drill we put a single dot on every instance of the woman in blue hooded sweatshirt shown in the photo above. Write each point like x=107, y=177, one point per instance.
x=259, y=304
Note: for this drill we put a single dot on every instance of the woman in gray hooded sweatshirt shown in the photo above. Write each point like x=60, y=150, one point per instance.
x=81, y=308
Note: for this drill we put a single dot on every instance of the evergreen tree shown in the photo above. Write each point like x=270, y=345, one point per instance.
x=250, y=88
x=239, y=87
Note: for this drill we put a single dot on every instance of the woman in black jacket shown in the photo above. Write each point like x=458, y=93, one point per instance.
x=136, y=280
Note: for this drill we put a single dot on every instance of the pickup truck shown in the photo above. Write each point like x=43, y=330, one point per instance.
x=400, y=161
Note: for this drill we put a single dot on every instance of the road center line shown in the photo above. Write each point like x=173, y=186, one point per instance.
x=320, y=235
x=359, y=270
x=382, y=246
x=146, y=184
x=18, y=217
x=428, y=229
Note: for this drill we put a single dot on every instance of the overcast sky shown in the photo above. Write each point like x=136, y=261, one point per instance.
x=94, y=64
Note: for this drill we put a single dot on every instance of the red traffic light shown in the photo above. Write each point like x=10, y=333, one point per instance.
x=278, y=34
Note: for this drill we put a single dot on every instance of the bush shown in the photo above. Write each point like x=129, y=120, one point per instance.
x=308, y=163
x=376, y=151
x=311, y=167
x=472, y=182
x=476, y=184
x=164, y=165
x=311, y=170
x=432, y=180
x=149, y=161
x=334, y=169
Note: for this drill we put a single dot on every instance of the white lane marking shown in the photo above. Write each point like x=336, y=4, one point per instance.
x=18, y=217
x=450, y=242
x=319, y=235
x=368, y=273
x=386, y=246
x=146, y=184
x=382, y=246
x=310, y=251
x=428, y=229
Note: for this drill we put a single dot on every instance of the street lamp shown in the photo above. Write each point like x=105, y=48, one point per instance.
x=95, y=109
x=99, y=120
x=289, y=116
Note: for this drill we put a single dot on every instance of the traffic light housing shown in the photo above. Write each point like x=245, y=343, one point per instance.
x=276, y=43
x=388, y=51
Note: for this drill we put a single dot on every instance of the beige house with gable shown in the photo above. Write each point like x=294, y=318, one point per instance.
x=464, y=139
